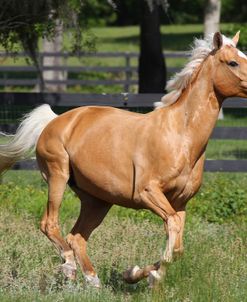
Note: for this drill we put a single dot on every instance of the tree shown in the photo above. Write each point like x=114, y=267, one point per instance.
x=25, y=22
x=22, y=22
x=152, y=69
x=54, y=45
x=212, y=24
x=212, y=17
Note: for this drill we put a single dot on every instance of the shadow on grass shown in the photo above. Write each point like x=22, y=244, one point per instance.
x=178, y=41
x=117, y=283
x=232, y=113
x=235, y=153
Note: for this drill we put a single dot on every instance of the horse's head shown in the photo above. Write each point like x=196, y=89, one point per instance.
x=230, y=67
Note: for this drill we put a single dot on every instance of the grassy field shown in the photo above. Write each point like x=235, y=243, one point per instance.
x=213, y=268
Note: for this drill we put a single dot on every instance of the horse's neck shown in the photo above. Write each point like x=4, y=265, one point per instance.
x=199, y=109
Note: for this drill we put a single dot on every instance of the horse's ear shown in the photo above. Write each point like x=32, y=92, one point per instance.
x=236, y=38
x=217, y=40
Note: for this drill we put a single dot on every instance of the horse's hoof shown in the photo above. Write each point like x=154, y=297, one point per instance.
x=153, y=278
x=129, y=275
x=69, y=271
x=168, y=259
x=93, y=280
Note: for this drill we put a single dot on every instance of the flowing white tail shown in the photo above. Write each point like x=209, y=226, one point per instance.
x=26, y=136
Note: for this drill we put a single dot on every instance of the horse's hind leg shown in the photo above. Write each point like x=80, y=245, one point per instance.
x=92, y=214
x=56, y=174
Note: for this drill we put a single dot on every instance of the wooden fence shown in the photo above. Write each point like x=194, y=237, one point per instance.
x=13, y=75
x=126, y=101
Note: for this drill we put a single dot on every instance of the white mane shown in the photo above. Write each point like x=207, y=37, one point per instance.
x=200, y=51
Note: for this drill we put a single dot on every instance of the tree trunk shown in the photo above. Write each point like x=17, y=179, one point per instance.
x=152, y=69
x=54, y=45
x=122, y=13
x=212, y=17
x=212, y=24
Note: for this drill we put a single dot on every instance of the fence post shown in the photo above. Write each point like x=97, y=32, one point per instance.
x=41, y=63
x=5, y=77
x=127, y=72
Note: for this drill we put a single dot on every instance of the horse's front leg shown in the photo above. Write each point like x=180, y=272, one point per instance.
x=179, y=247
x=153, y=199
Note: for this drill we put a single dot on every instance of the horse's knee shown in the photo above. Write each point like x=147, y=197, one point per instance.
x=48, y=228
x=173, y=224
x=51, y=229
x=76, y=242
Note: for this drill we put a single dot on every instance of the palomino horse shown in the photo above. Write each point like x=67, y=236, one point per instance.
x=143, y=161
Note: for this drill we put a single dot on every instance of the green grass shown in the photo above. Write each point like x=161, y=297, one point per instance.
x=213, y=268
x=226, y=149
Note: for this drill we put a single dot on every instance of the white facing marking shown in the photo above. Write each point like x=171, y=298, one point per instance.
x=241, y=54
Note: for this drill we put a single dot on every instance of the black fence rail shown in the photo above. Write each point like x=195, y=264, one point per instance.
x=24, y=102
x=12, y=75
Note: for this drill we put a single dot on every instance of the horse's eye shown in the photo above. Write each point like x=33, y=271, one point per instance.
x=233, y=64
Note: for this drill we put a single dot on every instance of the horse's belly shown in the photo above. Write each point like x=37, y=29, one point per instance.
x=104, y=183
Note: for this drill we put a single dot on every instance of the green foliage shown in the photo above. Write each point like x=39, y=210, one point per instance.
x=233, y=10
x=97, y=13
x=221, y=199
x=24, y=22
x=178, y=12
x=232, y=29
x=185, y=11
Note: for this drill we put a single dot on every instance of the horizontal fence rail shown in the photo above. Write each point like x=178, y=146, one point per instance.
x=13, y=75
x=125, y=101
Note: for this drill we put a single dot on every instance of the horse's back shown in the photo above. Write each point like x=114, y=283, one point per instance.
x=80, y=120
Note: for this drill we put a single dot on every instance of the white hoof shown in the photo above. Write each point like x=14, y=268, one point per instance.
x=69, y=270
x=93, y=280
x=153, y=278
x=168, y=259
